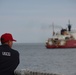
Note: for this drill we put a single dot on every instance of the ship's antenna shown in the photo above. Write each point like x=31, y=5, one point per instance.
x=69, y=22
x=53, y=28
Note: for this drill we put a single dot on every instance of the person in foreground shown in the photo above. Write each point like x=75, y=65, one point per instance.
x=9, y=58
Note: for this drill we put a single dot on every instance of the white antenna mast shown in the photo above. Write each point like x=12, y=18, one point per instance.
x=53, y=28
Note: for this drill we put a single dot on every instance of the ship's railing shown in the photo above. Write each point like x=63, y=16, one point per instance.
x=27, y=72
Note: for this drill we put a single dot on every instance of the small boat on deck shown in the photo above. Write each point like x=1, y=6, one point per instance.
x=66, y=38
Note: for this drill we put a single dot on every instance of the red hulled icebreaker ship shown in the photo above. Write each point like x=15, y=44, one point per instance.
x=66, y=38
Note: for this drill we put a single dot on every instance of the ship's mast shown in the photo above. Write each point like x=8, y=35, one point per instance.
x=53, y=28
x=69, y=21
x=69, y=26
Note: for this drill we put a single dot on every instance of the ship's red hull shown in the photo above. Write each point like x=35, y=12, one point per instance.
x=68, y=44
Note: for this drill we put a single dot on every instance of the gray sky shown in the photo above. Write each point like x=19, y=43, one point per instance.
x=29, y=20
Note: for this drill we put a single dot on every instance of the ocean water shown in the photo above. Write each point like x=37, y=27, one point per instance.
x=36, y=57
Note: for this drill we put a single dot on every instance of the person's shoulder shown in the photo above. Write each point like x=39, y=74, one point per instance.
x=15, y=51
